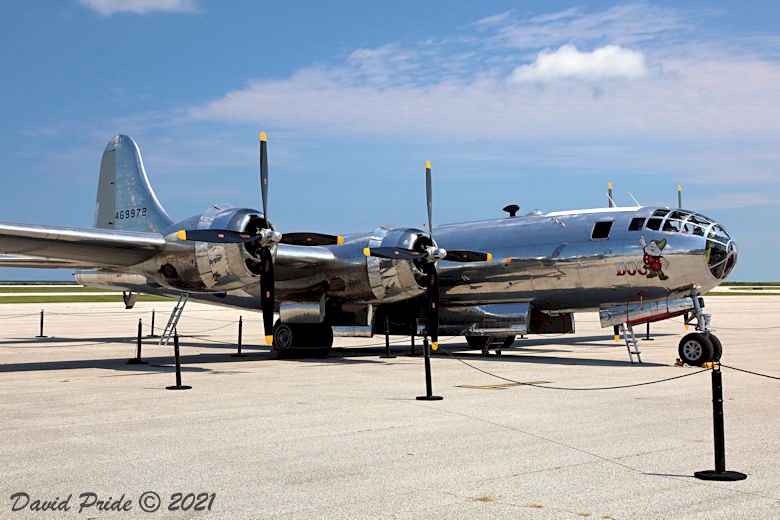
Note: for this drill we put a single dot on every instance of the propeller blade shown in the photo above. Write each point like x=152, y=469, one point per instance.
x=267, y=293
x=463, y=255
x=429, y=196
x=264, y=174
x=432, y=299
x=394, y=253
x=311, y=239
x=223, y=236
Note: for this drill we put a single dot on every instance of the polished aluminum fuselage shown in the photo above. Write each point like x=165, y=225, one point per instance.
x=556, y=264
x=549, y=260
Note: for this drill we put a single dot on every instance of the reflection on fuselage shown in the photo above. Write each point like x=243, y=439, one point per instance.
x=587, y=258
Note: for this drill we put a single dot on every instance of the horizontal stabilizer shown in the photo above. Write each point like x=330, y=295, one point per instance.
x=84, y=246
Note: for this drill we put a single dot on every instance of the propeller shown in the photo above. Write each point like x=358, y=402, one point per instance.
x=267, y=239
x=428, y=257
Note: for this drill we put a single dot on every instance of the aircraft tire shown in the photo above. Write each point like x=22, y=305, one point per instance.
x=696, y=349
x=717, y=347
x=479, y=342
x=296, y=340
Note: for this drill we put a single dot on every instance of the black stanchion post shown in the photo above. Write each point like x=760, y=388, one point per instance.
x=413, y=353
x=41, y=334
x=178, y=386
x=720, y=472
x=428, y=385
x=137, y=359
x=647, y=334
x=151, y=329
x=387, y=354
x=240, y=333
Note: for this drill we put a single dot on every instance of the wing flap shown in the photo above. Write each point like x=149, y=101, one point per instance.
x=82, y=247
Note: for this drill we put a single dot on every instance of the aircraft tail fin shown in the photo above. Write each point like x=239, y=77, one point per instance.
x=125, y=199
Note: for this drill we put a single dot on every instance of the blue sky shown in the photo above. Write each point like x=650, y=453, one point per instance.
x=535, y=103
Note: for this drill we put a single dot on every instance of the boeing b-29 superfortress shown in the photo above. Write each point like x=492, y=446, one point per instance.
x=633, y=264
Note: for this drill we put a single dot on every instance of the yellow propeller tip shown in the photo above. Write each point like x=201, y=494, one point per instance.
x=262, y=136
x=679, y=187
x=339, y=240
x=617, y=338
x=367, y=251
x=182, y=235
x=489, y=257
x=508, y=259
x=269, y=340
x=609, y=185
x=428, y=164
x=435, y=345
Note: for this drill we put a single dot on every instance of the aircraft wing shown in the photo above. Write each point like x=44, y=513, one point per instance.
x=42, y=263
x=75, y=248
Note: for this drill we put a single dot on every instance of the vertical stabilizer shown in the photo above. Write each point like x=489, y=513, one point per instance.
x=125, y=199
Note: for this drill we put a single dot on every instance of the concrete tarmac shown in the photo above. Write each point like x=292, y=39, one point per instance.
x=344, y=437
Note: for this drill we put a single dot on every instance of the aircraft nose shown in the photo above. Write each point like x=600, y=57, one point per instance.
x=721, y=251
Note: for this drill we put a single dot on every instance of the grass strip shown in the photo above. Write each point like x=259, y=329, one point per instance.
x=77, y=298
x=58, y=289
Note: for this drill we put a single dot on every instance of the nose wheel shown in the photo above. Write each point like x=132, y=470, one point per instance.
x=701, y=346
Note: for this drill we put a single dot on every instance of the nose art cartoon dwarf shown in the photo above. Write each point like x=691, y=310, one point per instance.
x=653, y=258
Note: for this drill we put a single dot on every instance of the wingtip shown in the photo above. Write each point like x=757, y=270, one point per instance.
x=182, y=235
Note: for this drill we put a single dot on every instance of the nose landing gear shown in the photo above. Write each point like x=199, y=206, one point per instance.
x=703, y=346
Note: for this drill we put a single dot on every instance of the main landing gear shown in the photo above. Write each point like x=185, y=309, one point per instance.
x=702, y=346
x=297, y=340
x=484, y=343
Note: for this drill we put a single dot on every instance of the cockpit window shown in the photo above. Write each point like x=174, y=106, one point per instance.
x=721, y=251
x=660, y=212
x=701, y=220
x=636, y=224
x=654, y=224
x=672, y=226
x=679, y=215
x=718, y=233
x=601, y=230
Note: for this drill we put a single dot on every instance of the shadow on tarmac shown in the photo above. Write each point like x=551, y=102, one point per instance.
x=523, y=351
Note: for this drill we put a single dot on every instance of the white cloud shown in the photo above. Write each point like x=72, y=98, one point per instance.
x=109, y=7
x=608, y=62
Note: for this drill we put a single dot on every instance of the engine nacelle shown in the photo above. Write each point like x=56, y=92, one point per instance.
x=394, y=280
x=203, y=266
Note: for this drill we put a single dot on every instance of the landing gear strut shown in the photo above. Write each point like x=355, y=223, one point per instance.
x=297, y=340
x=703, y=346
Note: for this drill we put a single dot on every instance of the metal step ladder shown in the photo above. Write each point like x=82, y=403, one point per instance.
x=174, y=319
x=632, y=344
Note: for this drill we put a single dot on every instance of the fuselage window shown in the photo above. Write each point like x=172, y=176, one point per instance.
x=636, y=224
x=654, y=224
x=601, y=230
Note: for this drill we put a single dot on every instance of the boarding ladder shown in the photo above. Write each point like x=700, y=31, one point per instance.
x=170, y=328
x=632, y=344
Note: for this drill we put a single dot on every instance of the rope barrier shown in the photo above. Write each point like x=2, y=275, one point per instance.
x=520, y=383
x=749, y=372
